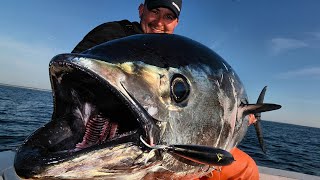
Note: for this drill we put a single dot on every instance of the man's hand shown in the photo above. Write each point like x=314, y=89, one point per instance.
x=252, y=119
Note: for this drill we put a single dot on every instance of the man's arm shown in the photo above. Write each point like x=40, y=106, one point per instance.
x=102, y=33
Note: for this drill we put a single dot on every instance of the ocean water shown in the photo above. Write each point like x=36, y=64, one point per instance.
x=289, y=147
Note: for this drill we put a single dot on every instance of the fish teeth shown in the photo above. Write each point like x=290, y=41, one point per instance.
x=113, y=131
x=96, y=131
x=104, y=132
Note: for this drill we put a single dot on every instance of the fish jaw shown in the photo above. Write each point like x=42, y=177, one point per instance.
x=132, y=166
x=80, y=95
x=104, y=163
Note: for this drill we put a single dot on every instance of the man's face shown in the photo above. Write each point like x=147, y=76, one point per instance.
x=158, y=20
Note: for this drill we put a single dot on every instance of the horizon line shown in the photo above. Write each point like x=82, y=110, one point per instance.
x=25, y=87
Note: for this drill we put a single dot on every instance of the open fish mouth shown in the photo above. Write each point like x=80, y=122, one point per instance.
x=89, y=114
x=99, y=111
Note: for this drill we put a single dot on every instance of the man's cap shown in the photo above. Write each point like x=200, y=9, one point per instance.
x=173, y=5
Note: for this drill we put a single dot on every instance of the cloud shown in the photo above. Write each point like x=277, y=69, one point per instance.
x=16, y=48
x=312, y=72
x=25, y=63
x=316, y=35
x=280, y=45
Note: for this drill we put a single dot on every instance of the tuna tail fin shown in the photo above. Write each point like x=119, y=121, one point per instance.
x=256, y=109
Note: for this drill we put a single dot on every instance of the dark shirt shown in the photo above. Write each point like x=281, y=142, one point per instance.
x=106, y=32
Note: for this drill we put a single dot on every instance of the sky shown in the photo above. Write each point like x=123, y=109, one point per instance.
x=274, y=43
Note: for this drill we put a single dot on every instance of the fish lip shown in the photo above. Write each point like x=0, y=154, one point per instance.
x=29, y=166
x=32, y=150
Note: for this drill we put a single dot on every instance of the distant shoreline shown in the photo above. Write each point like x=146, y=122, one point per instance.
x=24, y=87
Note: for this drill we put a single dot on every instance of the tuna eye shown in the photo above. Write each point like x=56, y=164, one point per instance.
x=179, y=88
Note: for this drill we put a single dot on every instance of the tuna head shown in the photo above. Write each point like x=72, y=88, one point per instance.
x=164, y=89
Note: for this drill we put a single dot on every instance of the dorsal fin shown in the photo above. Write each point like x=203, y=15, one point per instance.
x=261, y=96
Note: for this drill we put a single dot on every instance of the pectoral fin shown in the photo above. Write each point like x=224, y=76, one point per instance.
x=259, y=108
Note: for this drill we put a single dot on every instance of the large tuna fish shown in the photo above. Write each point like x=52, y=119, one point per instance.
x=139, y=107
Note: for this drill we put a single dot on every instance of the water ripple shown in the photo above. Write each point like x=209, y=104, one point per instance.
x=298, y=149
